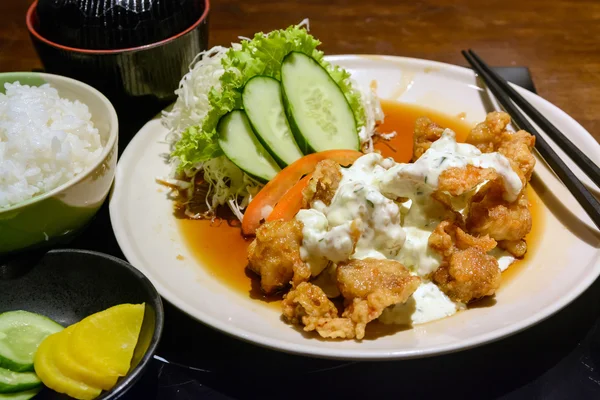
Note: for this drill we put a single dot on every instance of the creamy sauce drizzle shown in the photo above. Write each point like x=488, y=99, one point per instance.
x=365, y=201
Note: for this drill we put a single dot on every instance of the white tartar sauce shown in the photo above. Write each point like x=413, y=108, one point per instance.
x=371, y=200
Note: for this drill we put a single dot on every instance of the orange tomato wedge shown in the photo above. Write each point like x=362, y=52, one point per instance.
x=273, y=191
x=291, y=202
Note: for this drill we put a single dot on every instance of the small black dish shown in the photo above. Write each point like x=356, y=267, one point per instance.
x=69, y=285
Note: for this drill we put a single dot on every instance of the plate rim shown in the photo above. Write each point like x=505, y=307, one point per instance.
x=347, y=354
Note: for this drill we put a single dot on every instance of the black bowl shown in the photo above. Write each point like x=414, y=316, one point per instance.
x=140, y=81
x=114, y=24
x=69, y=285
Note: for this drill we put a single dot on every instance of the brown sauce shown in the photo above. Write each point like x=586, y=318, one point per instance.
x=222, y=249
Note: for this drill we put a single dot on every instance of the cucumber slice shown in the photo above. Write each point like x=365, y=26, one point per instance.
x=240, y=145
x=317, y=109
x=21, y=333
x=264, y=108
x=11, y=382
x=25, y=395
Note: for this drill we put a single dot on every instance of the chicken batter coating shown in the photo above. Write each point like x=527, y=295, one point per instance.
x=426, y=132
x=491, y=135
x=448, y=237
x=487, y=135
x=457, y=181
x=467, y=273
x=275, y=255
x=308, y=305
x=517, y=248
x=491, y=215
x=517, y=148
x=323, y=184
x=370, y=286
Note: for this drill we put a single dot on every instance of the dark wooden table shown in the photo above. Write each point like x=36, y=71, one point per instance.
x=557, y=359
x=559, y=40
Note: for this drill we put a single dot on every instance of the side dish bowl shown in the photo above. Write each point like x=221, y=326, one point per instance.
x=69, y=285
x=55, y=215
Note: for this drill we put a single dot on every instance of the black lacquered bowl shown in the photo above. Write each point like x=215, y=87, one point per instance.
x=138, y=80
x=69, y=285
x=115, y=24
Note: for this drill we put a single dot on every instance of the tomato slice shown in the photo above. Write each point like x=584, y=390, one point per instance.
x=287, y=178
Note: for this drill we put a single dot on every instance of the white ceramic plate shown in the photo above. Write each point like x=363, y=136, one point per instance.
x=566, y=263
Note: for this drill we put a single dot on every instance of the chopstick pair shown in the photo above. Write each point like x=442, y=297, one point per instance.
x=509, y=98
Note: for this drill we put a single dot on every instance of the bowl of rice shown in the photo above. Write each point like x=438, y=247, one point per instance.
x=58, y=152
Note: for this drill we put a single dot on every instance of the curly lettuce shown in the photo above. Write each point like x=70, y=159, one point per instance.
x=263, y=55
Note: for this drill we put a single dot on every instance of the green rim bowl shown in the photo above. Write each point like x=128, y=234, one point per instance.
x=56, y=215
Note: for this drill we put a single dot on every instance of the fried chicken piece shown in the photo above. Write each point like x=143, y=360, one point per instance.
x=487, y=135
x=308, y=305
x=426, y=132
x=442, y=239
x=517, y=148
x=517, y=248
x=323, y=184
x=371, y=285
x=468, y=275
x=491, y=215
x=447, y=238
x=275, y=255
x=465, y=241
x=467, y=272
x=457, y=181
x=491, y=135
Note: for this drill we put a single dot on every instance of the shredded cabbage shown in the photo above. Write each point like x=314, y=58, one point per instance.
x=213, y=87
x=373, y=116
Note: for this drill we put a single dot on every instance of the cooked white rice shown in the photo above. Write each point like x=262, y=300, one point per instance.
x=44, y=141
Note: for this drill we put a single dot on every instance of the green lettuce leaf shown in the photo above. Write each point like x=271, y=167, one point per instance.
x=194, y=146
x=263, y=55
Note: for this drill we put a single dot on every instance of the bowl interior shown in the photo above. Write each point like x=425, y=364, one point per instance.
x=103, y=114
x=69, y=285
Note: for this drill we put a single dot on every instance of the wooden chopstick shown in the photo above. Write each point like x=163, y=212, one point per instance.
x=587, y=201
x=582, y=161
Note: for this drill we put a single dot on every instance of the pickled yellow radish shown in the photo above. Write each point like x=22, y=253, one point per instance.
x=69, y=366
x=45, y=368
x=105, y=341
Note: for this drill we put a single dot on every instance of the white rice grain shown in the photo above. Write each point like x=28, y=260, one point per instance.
x=45, y=141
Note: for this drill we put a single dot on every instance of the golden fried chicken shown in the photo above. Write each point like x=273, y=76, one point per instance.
x=308, y=305
x=467, y=272
x=323, y=184
x=517, y=248
x=487, y=135
x=371, y=285
x=491, y=135
x=457, y=181
x=447, y=238
x=517, y=148
x=468, y=275
x=275, y=255
x=426, y=132
x=491, y=215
